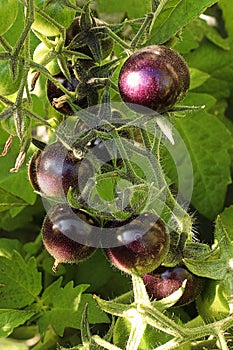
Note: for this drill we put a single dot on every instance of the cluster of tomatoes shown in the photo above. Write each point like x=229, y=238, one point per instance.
x=154, y=78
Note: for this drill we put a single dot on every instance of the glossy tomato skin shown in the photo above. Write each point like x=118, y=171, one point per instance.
x=61, y=229
x=55, y=169
x=155, y=77
x=146, y=251
x=166, y=280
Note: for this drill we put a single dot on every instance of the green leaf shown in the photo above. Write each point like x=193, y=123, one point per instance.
x=132, y=8
x=197, y=78
x=69, y=301
x=13, y=34
x=102, y=269
x=18, y=183
x=174, y=16
x=227, y=220
x=210, y=267
x=214, y=269
x=208, y=141
x=20, y=282
x=7, y=247
x=212, y=304
x=190, y=38
x=225, y=244
x=226, y=7
x=220, y=83
x=10, y=319
x=9, y=201
x=212, y=34
x=8, y=222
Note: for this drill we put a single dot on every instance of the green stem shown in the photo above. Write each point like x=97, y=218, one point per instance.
x=76, y=54
x=216, y=329
x=136, y=335
x=125, y=298
x=5, y=44
x=5, y=56
x=103, y=343
x=25, y=33
x=158, y=320
x=145, y=25
x=117, y=39
x=204, y=344
x=24, y=39
x=6, y=101
x=158, y=10
x=129, y=169
x=36, y=117
x=183, y=218
x=44, y=40
x=172, y=344
x=222, y=340
x=47, y=75
x=25, y=111
x=69, y=4
x=145, y=138
x=5, y=114
x=154, y=4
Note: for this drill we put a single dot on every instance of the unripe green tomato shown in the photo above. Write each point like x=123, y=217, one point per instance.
x=8, y=86
x=41, y=55
x=9, y=10
x=57, y=11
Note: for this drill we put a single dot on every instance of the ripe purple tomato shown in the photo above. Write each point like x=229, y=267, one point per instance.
x=60, y=233
x=147, y=247
x=166, y=280
x=55, y=169
x=155, y=77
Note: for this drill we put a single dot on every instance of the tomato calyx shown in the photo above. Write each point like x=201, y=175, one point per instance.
x=88, y=35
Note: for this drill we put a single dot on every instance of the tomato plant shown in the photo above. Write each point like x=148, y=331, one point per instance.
x=116, y=174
